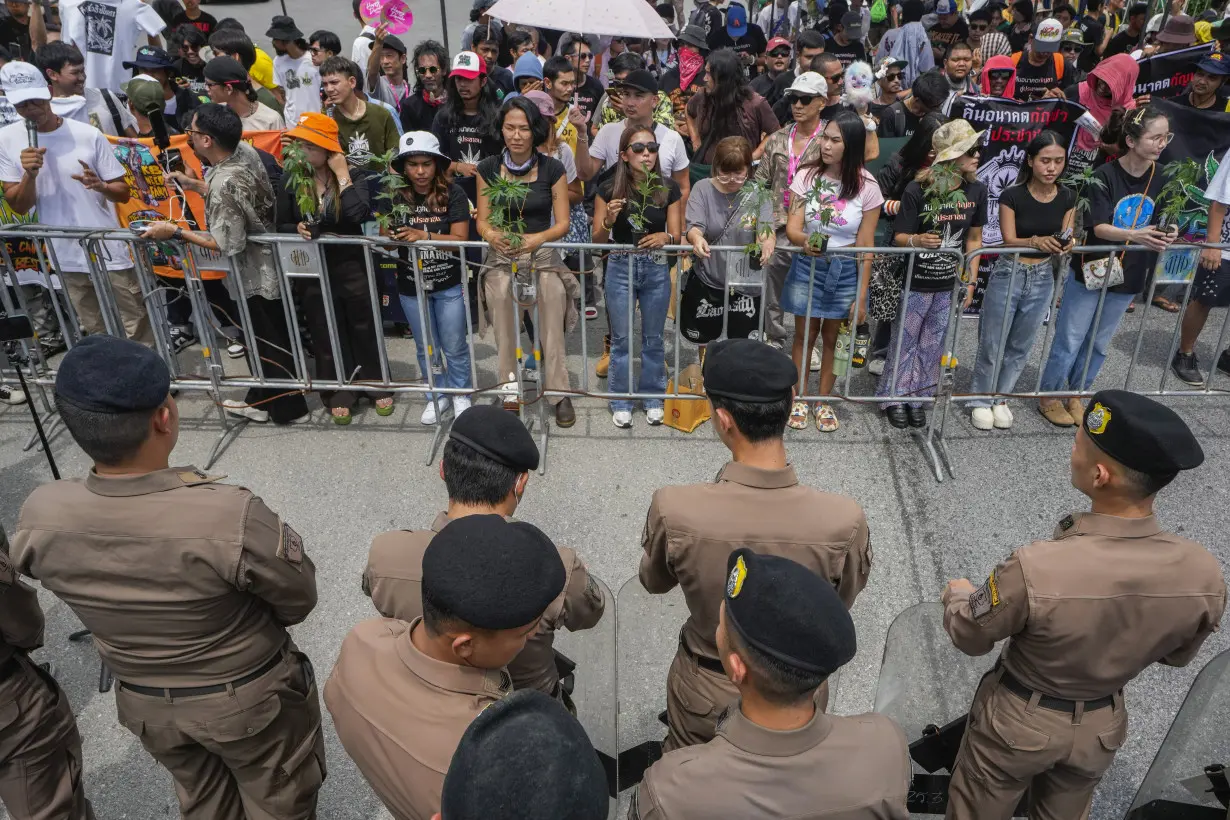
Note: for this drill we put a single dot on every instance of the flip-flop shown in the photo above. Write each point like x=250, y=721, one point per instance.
x=798, y=416
x=1165, y=304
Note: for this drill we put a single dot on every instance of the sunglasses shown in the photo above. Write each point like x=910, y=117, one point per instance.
x=1071, y=48
x=836, y=78
x=425, y=70
x=802, y=99
x=894, y=76
x=978, y=26
x=642, y=147
x=585, y=55
x=780, y=52
x=973, y=152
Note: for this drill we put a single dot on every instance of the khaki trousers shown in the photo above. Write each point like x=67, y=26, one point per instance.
x=40, y=749
x=128, y=297
x=1012, y=745
x=548, y=325
x=255, y=752
x=696, y=697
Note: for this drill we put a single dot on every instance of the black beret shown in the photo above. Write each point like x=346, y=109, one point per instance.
x=498, y=435
x=1141, y=434
x=492, y=573
x=525, y=758
x=788, y=612
x=223, y=69
x=104, y=374
x=746, y=370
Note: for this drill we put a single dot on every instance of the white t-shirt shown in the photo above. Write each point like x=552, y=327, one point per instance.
x=848, y=217
x=671, y=152
x=108, y=32
x=1219, y=191
x=361, y=49
x=92, y=109
x=564, y=154
x=62, y=200
x=301, y=81
x=771, y=14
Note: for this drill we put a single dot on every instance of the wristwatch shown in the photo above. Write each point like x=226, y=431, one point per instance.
x=179, y=233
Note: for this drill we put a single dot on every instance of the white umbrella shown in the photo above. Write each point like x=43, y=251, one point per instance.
x=611, y=18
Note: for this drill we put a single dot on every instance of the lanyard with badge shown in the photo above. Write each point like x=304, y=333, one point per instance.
x=792, y=163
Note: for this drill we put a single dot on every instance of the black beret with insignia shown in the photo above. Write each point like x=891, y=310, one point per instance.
x=1141, y=434
x=104, y=374
x=525, y=758
x=746, y=370
x=788, y=612
x=492, y=573
x=498, y=435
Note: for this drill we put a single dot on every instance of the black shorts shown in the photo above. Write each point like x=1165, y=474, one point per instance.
x=1211, y=288
x=701, y=308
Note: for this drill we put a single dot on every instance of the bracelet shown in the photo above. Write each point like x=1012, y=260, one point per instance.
x=912, y=240
x=607, y=226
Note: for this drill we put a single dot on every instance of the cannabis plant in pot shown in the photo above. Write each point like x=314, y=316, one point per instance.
x=754, y=198
x=821, y=200
x=644, y=193
x=392, y=209
x=506, y=198
x=1180, y=194
x=302, y=184
x=1081, y=184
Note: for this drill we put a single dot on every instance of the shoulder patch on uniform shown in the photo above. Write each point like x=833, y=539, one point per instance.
x=984, y=600
x=194, y=477
x=1097, y=419
x=738, y=574
x=592, y=591
x=290, y=547
x=1066, y=523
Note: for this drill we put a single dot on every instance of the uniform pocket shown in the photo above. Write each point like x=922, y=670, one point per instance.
x=246, y=722
x=1113, y=738
x=1013, y=731
x=305, y=753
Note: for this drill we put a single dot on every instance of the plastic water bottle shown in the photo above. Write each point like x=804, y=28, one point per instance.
x=841, y=357
x=862, y=342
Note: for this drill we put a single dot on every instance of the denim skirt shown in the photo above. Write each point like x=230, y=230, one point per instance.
x=832, y=291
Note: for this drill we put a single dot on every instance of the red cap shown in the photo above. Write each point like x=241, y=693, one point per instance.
x=777, y=41
x=467, y=64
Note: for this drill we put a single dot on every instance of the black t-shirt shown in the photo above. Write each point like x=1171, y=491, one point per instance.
x=1220, y=100
x=15, y=37
x=537, y=209
x=416, y=114
x=709, y=19
x=1121, y=43
x=848, y=53
x=655, y=217
x=1016, y=39
x=207, y=24
x=941, y=37
x=1033, y=81
x=1093, y=30
x=1120, y=204
x=1034, y=218
x=441, y=269
x=469, y=140
x=589, y=94
x=753, y=42
x=897, y=120
x=502, y=79
x=937, y=272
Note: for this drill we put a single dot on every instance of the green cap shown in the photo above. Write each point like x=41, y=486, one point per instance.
x=145, y=95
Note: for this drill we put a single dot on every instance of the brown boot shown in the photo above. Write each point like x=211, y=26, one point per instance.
x=604, y=363
x=565, y=416
x=1054, y=412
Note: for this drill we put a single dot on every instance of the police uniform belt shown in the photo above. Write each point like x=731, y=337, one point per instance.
x=703, y=661
x=1022, y=691
x=196, y=691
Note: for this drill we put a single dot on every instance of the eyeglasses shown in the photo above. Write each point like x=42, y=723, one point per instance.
x=802, y=99
x=780, y=52
x=313, y=49
x=1161, y=139
x=642, y=147
x=424, y=70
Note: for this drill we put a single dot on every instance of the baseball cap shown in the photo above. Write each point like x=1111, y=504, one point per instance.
x=640, y=80
x=150, y=57
x=467, y=64
x=1215, y=63
x=394, y=42
x=542, y=100
x=777, y=42
x=1047, y=35
x=1073, y=35
x=852, y=22
x=946, y=7
x=145, y=95
x=809, y=82
x=225, y=71
x=22, y=82
x=736, y=20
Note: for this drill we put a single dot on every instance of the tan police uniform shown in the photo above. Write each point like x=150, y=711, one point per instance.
x=1085, y=613
x=40, y=749
x=393, y=578
x=188, y=586
x=689, y=533
x=854, y=768
x=400, y=714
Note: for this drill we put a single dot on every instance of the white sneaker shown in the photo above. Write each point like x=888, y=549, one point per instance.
x=306, y=418
x=460, y=405
x=875, y=367
x=430, y=415
x=1003, y=416
x=622, y=419
x=235, y=350
x=982, y=418
x=655, y=415
x=815, y=359
x=11, y=395
x=237, y=408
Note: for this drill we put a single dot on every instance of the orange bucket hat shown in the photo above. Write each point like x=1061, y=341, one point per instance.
x=318, y=129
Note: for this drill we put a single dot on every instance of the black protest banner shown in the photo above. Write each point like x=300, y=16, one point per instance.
x=1163, y=76
x=1009, y=126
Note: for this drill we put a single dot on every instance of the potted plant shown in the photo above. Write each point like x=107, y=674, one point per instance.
x=644, y=192
x=1178, y=194
x=754, y=197
x=822, y=199
x=395, y=212
x=1079, y=184
x=302, y=177
x=504, y=195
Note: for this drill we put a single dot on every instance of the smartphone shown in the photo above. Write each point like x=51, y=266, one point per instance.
x=175, y=160
x=1065, y=236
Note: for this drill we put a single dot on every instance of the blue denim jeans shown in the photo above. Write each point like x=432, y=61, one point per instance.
x=1018, y=295
x=1074, y=334
x=446, y=310
x=636, y=278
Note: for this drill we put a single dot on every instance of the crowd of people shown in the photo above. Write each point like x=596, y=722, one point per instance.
x=758, y=128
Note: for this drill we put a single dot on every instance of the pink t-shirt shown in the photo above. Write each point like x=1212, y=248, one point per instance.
x=843, y=227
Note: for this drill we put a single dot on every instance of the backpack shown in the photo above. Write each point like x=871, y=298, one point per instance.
x=879, y=11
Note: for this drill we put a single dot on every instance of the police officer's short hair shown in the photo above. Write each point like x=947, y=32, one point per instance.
x=473, y=478
x=776, y=682
x=437, y=621
x=757, y=421
x=107, y=438
x=1144, y=485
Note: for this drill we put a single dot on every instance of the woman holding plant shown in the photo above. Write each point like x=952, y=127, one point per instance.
x=836, y=204
x=522, y=205
x=640, y=207
x=427, y=206
x=943, y=209
x=1037, y=213
x=1120, y=210
x=318, y=195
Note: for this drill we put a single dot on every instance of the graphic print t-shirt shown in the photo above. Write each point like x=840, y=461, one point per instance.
x=301, y=82
x=935, y=272
x=1126, y=202
x=108, y=32
x=441, y=269
x=469, y=140
x=847, y=218
x=1033, y=81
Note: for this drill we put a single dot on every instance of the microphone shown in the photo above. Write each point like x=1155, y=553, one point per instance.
x=32, y=133
x=159, y=125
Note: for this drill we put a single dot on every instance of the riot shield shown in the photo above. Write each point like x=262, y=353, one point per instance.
x=927, y=685
x=1188, y=777
x=586, y=661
